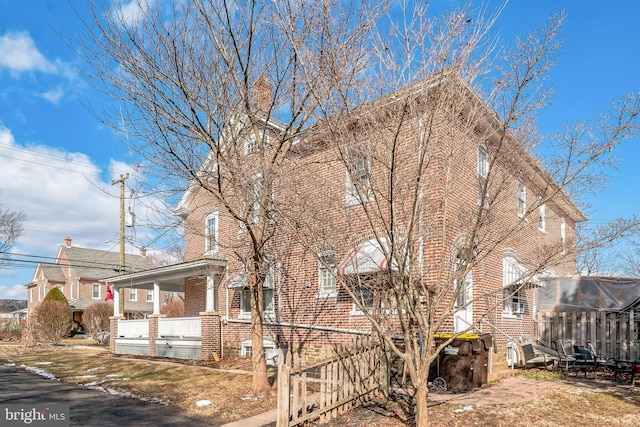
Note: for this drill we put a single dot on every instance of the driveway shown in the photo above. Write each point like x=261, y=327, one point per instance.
x=89, y=407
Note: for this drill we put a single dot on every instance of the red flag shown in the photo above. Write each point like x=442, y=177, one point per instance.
x=109, y=293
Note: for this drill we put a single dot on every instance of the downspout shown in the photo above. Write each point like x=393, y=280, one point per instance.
x=225, y=318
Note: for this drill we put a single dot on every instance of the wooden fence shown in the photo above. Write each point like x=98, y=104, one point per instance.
x=613, y=334
x=325, y=389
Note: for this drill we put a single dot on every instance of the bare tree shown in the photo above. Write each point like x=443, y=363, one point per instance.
x=10, y=229
x=232, y=82
x=431, y=174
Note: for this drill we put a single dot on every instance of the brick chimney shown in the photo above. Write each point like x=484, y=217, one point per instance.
x=143, y=251
x=67, y=241
x=261, y=93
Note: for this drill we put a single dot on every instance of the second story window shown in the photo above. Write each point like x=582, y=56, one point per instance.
x=149, y=296
x=542, y=218
x=95, y=291
x=483, y=174
x=211, y=233
x=522, y=199
x=358, y=177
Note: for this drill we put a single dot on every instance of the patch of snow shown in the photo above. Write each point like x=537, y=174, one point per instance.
x=248, y=398
x=40, y=372
x=201, y=403
x=112, y=375
x=44, y=363
x=465, y=409
x=10, y=364
x=86, y=376
x=96, y=369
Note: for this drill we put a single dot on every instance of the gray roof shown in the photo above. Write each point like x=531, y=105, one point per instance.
x=52, y=272
x=129, y=306
x=93, y=264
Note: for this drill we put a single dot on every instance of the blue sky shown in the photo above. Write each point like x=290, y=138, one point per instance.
x=57, y=161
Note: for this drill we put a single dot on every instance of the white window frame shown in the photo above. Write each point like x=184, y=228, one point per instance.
x=269, y=346
x=563, y=235
x=133, y=294
x=327, y=276
x=211, y=236
x=251, y=145
x=149, y=295
x=358, y=171
x=514, y=301
x=542, y=217
x=483, y=174
x=522, y=199
x=94, y=287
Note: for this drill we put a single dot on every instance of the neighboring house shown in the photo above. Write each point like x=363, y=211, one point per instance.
x=12, y=310
x=77, y=272
x=304, y=306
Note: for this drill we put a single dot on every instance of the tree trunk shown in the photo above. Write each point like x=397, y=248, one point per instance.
x=260, y=386
x=422, y=391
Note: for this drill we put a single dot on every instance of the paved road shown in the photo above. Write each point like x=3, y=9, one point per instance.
x=89, y=407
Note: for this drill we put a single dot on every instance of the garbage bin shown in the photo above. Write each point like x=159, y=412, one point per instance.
x=463, y=364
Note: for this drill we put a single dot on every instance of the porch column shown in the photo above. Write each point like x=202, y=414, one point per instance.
x=211, y=335
x=156, y=298
x=116, y=302
x=154, y=319
x=113, y=332
x=210, y=295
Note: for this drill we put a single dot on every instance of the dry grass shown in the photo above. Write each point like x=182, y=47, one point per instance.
x=185, y=384
x=181, y=385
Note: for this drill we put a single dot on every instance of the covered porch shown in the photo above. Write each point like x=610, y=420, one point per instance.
x=194, y=337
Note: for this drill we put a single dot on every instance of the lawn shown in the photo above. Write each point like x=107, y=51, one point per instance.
x=181, y=385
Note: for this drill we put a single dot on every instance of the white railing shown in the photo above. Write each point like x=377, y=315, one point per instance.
x=133, y=328
x=179, y=327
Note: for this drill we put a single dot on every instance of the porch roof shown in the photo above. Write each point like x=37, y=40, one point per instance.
x=169, y=277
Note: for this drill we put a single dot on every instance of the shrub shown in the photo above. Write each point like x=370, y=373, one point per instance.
x=55, y=294
x=174, y=308
x=54, y=320
x=95, y=321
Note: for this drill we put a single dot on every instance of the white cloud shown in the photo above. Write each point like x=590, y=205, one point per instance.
x=18, y=53
x=132, y=12
x=54, y=95
x=62, y=194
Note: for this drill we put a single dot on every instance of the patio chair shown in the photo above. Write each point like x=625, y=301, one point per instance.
x=533, y=360
x=565, y=361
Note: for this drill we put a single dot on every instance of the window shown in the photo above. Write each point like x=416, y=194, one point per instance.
x=149, y=295
x=95, y=291
x=270, y=350
x=365, y=296
x=211, y=233
x=326, y=274
x=513, y=300
x=461, y=285
x=251, y=144
x=133, y=294
x=563, y=236
x=514, y=276
x=253, y=197
x=522, y=199
x=483, y=173
x=245, y=302
x=358, y=177
x=31, y=294
x=542, y=221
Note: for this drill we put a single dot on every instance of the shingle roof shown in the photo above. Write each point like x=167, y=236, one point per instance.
x=52, y=272
x=93, y=264
x=9, y=305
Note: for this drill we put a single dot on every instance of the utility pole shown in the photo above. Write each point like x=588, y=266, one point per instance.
x=121, y=181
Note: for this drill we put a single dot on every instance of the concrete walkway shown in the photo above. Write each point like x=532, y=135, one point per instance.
x=255, y=421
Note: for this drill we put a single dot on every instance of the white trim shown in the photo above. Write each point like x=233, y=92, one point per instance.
x=93, y=293
x=209, y=246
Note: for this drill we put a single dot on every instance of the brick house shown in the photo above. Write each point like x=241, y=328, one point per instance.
x=77, y=272
x=332, y=179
